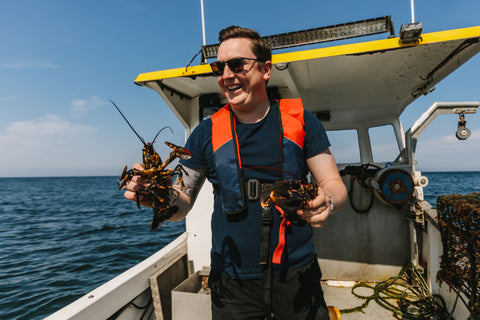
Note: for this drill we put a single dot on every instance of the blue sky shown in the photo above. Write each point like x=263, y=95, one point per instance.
x=60, y=62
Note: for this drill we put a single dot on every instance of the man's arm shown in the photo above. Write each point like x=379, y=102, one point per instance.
x=193, y=180
x=330, y=190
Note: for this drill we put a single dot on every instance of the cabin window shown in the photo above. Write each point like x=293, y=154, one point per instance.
x=384, y=144
x=345, y=147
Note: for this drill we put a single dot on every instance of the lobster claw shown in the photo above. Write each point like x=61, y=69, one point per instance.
x=289, y=205
x=160, y=215
x=122, y=181
x=281, y=193
x=178, y=151
x=289, y=196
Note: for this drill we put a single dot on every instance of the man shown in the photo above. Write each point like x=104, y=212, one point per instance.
x=247, y=145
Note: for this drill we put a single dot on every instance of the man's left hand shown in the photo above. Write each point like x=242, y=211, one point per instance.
x=317, y=211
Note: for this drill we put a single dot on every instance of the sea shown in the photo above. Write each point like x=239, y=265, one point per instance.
x=62, y=237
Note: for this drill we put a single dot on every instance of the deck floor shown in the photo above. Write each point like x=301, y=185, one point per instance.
x=342, y=298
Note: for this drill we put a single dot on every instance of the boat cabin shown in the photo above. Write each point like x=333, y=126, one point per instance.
x=358, y=90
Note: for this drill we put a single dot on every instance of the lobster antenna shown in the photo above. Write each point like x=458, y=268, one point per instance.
x=161, y=131
x=131, y=127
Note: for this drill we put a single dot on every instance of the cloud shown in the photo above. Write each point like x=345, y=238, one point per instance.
x=452, y=138
x=82, y=106
x=28, y=65
x=46, y=131
x=449, y=153
x=46, y=142
x=450, y=142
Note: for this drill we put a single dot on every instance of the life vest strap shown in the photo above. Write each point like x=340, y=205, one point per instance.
x=265, y=253
x=267, y=221
x=277, y=254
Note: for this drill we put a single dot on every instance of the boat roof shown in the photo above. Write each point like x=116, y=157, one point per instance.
x=351, y=83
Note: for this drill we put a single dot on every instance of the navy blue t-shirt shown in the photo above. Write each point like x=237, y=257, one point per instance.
x=236, y=238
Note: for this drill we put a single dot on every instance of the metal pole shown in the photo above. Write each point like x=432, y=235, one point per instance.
x=203, y=24
x=412, y=6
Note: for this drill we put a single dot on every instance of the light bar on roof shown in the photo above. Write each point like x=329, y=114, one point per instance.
x=318, y=35
x=209, y=51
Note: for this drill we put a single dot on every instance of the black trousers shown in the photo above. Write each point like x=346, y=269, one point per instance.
x=296, y=295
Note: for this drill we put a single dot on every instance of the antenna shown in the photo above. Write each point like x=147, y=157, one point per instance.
x=203, y=24
x=412, y=9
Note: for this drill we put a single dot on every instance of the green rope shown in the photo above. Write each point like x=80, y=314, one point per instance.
x=406, y=295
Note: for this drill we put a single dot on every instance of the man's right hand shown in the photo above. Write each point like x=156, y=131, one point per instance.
x=135, y=184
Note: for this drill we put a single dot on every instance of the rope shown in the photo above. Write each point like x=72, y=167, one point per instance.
x=404, y=300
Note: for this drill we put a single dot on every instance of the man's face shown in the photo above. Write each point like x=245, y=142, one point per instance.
x=245, y=89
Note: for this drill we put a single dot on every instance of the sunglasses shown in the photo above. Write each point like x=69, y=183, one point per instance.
x=235, y=65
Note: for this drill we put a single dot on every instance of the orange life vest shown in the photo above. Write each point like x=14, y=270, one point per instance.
x=227, y=154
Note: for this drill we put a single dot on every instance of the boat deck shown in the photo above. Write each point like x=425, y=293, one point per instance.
x=342, y=298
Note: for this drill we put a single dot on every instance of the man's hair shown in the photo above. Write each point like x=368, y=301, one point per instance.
x=260, y=47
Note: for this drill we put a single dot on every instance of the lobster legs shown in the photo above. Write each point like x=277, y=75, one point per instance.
x=289, y=196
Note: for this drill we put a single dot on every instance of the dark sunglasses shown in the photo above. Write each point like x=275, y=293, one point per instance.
x=235, y=65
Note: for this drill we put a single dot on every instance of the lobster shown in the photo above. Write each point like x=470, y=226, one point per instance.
x=158, y=178
x=289, y=196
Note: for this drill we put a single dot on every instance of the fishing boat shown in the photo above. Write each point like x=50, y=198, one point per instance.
x=354, y=89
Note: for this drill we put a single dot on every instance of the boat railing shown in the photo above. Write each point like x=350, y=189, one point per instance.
x=118, y=293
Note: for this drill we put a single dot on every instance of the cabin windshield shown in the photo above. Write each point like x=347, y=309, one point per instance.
x=374, y=145
x=383, y=143
x=345, y=146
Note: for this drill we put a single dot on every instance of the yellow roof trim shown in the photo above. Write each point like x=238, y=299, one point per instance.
x=173, y=73
x=355, y=48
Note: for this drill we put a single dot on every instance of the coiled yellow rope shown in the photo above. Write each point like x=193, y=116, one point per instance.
x=406, y=295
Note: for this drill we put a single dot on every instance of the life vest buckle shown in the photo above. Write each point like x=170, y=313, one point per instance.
x=254, y=187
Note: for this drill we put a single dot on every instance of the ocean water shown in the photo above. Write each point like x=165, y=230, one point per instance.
x=444, y=183
x=62, y=237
